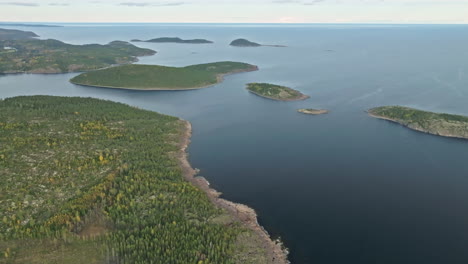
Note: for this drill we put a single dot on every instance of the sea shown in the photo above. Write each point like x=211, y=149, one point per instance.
x=340, y=188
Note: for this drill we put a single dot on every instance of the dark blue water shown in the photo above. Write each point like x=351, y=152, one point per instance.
x=338, y=188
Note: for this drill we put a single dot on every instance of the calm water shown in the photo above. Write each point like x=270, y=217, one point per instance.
x=338, y=188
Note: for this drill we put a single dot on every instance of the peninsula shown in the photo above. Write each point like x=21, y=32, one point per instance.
x=175, y=40
x=310, y=111
x=248, y=43
x=440, y=124
x=84, y=180
x=155, y=77
x=275, y=92
x=52, y=56
x=16, y=34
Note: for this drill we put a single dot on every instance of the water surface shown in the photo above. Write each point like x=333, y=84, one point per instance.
x=338, y=188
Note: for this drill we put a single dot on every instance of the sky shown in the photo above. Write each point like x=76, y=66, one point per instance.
x=237, y=11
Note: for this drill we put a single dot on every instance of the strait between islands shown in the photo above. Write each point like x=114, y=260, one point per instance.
x=440, y=124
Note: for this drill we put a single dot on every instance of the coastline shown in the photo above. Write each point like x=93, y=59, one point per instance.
x=414, y=128
x=300, y=98
x=247, y=216
x=56, y=72
x=219, y=79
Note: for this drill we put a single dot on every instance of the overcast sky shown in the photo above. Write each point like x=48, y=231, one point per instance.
x=237, y=11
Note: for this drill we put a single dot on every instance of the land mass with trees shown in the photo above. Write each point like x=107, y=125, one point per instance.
x=155, y=77
x=441, y=124
x=20, y=52
x=247, y=43
x=90, y=181
x=275, y=92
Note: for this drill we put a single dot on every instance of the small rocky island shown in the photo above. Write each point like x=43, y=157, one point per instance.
x=440, y=124
x=156, y=77
x=175, y=40
x=275, y=92
x=244, y=43
x=247, y=43
x=310, y=111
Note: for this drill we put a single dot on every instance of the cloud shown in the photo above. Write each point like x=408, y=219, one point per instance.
x=59, y=4
x=313, y=2
x=300, y=2
x=20, y=4
x=140, y=4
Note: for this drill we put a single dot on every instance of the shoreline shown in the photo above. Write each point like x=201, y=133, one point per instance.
x=300, y=98
x=80, y=71
x=219, y=79
x=239, y=212
x=414, y=128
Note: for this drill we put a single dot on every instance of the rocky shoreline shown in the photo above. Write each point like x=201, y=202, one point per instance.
x=313, y=111
x=275, y=250
x=415, y=128
x=300, y=98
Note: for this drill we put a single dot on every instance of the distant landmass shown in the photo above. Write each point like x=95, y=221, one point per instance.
x=275, y=92
x=440, y=124
x=155, y=77
x=21, y=53
x=175, y=40
x=247, y=43
x=27, y=25
x=16, y=34
x=244, y=43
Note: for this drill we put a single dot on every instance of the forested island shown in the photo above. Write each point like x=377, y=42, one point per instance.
x=275, y=92
x=155, y=77
x=244, y=43
x=90, y=181
x=440, y=124
x=310, y=111
x=175, y=40
x=28, y=55
x=248, y=43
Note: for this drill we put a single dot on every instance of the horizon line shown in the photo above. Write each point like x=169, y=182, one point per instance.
x=269, y=23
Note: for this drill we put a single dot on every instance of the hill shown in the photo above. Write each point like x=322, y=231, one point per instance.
x=15, y=34
x=244, y=43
